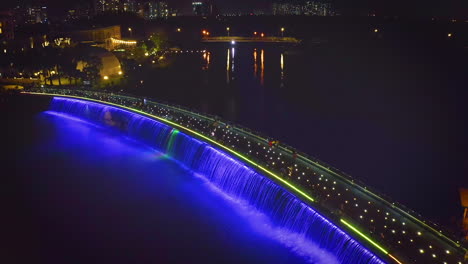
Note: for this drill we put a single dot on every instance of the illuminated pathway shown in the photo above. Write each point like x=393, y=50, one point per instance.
x=389, y=230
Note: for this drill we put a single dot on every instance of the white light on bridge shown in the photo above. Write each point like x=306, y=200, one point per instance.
x=233, y=42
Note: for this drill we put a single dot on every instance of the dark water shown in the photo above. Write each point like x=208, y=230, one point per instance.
x=391, y=116
x=78, y=193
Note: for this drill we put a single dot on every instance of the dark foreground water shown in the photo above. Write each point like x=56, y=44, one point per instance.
x=79, y=193
x=392, y=115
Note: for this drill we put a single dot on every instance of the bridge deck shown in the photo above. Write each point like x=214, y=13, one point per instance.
x=389, y=229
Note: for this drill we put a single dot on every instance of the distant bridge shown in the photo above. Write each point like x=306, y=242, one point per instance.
x=259, y=39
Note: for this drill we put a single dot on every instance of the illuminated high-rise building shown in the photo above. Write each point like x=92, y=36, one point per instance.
x=156, y=10
x=316, y=8
x=35, y=14
x=283, y=9
x=203, y=8
x=108, y=6
x=308, y=8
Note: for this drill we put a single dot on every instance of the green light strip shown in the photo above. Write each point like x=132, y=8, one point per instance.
x=364, y=236
x=391, y=205
x=192, y=132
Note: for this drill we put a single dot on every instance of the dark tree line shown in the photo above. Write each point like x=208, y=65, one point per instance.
x=51, y=63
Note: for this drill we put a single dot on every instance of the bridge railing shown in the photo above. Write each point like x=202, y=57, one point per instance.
x=390, y=227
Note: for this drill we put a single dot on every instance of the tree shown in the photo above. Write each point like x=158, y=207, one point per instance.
x=140, y=52
x=68, y=64
x=92, y=67
x=48, y=62
x=156, y=42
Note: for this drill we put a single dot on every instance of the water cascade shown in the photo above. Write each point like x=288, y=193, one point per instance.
x=230, y=176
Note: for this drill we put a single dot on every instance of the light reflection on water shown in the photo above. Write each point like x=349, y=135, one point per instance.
x=255, y=62
x=228, y=66
x=262, y=67
x=282, y=70
x=257, y=73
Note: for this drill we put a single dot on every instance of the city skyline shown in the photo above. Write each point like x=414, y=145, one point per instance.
x=416, y=8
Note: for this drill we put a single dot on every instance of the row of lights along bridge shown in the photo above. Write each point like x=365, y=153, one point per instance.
x=228, y=30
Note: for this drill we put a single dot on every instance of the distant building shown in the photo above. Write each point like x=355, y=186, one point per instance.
x=284, y=9
x=173, y=12
x=99, y=37
x=79, y=11
x=148, y=10
x=7, y=26
x=308, y=8
x=203, y=8
x=315, y=8
x=108, y=6
x=130, y=6
x=156, y=10
x=36, y=14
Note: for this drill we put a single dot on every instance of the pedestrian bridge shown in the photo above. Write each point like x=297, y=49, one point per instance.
x=389, y=230
x=258, y=39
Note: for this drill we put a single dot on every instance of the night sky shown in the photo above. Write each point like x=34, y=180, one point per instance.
x=408, y=8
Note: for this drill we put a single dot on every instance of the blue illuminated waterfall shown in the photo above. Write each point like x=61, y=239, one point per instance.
x=232, y=177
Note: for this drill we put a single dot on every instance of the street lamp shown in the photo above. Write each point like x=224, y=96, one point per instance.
x=282, y=32
x=130, y=30
x=228, y=29
x=179, y=29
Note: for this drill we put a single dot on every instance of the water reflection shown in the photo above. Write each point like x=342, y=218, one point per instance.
x=206, y=58
x=228, y=64
x=228, y=61
x=282, y=70
x=255, y=63
x=232, y=61
x=262, y=67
